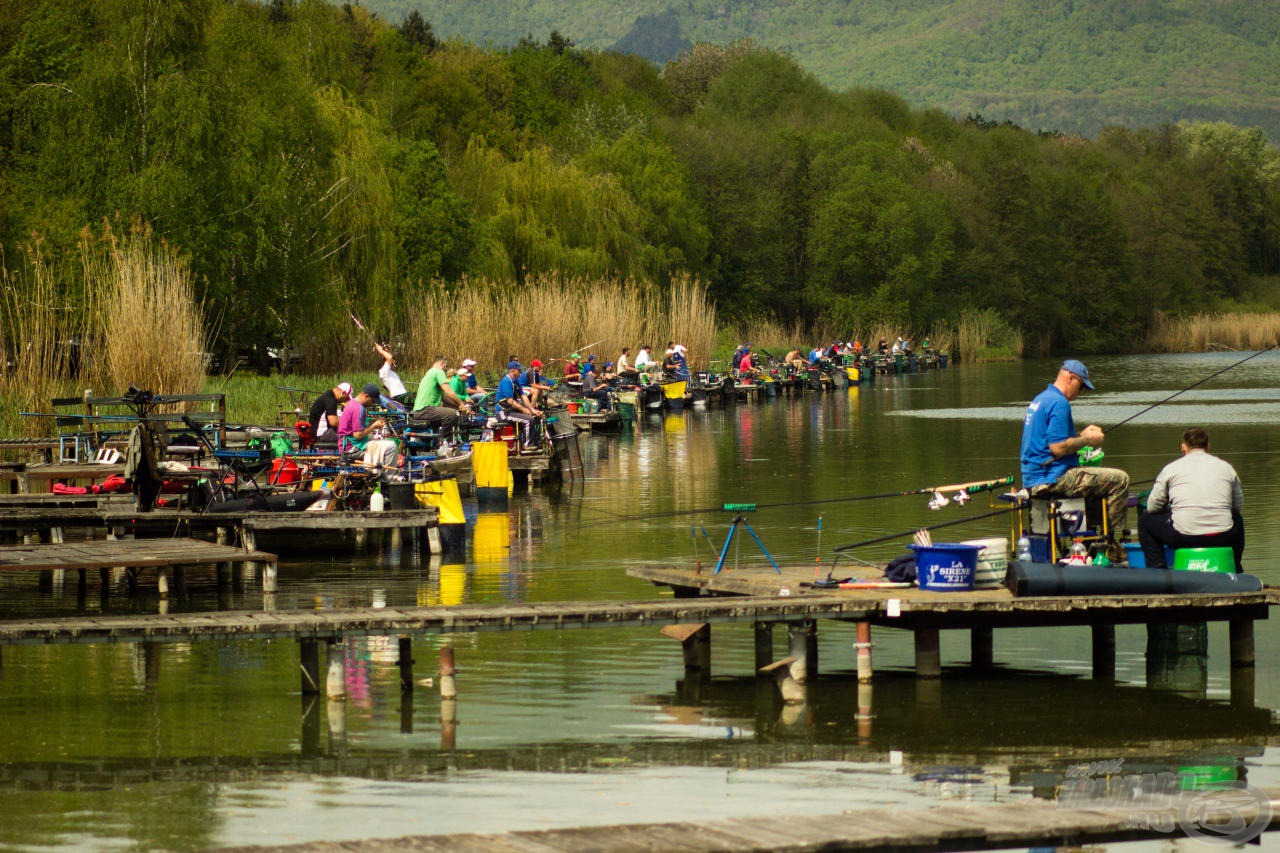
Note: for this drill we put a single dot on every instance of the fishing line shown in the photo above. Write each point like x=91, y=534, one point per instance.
x=842, y=548
x=1194, y=385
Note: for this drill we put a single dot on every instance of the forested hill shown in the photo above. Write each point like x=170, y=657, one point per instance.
x=1071, y=65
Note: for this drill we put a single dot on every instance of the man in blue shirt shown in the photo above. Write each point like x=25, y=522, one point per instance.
x=511, y=406
x=1050, y=444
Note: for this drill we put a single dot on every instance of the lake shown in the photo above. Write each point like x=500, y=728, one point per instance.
x=194, y=746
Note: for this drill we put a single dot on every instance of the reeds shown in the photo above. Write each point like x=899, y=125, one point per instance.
x=550, y=317
x=1204, y=332
x=41, y=338
x=984, y=335
x=148, y=328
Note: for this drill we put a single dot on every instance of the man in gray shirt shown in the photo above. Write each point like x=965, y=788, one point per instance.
x=1196, y=503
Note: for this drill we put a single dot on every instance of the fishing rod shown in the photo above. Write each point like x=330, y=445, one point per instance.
x=1193, y=385
x=969, y=488
x=360, y=325
x=889, y=538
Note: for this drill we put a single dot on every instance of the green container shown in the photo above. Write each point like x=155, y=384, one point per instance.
x=627, y=411
x=1205, y=776
x=1205, y=560
x=898, y=362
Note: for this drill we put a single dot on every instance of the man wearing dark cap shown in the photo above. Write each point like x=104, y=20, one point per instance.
x=1050, y=445
x=358, y=436
x=511, y=405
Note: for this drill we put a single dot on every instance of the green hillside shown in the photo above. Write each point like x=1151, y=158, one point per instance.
x=1072, y=65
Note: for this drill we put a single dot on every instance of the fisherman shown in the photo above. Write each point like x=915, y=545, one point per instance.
x=437, y=404
x=644, y=361
x=458, y=382
x=669, y=364
x=324, y=414
x=360, y=438
x=608, y=374
x=390, y=379
x=625, y=370
x=533, y=384
x=897, y=345
x=572, y=372
x=590, y=365
x=593, y=388
x=510, y=404
x=747, y=367
x=857, y=347
x=680, y=356
x=735, y=361
x=882, y=347
x=475, y=391
x=1196, y=502
x=795, y=358
x=815, y=355
x=1050, y=444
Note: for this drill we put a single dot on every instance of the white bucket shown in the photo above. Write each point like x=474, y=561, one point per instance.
x=993, y=562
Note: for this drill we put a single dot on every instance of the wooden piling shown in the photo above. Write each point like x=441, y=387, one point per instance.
x=981, y=648
x=269, y=572
x=336, y=683
x=763, y=644
x=695, y=645
x=798, y=650
x=162, y=581
x=782, y=672
x=448, y=687
x=406, y=664
x=928, y=652
x=863, y=648
x=310, y=654
x=1242, y=652
x=1104, y=652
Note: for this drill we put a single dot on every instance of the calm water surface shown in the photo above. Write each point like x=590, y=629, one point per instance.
x=186, y=747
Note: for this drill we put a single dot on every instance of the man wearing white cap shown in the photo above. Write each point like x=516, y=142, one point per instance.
x=324, y=414
x=1050, y=445
x=475, y=392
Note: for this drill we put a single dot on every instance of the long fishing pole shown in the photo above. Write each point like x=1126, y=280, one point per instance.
x=1194, y=385
x=889, y=538
x=367, y=333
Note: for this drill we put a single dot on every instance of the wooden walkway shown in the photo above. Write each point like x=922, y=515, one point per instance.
x=980, y=612
x=1027, y=823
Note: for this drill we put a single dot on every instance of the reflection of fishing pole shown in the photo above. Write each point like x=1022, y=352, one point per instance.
x=1189, y=387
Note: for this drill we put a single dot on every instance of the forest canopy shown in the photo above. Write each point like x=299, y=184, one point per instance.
x=308, y=159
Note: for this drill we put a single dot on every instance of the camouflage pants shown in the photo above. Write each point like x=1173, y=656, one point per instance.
x=1111, y=484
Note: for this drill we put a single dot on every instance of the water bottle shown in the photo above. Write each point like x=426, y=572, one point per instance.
x=376, y=500
x=1079, y=553
x=1024, y=548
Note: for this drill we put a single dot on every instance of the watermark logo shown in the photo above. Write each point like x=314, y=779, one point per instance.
x=1213, y=811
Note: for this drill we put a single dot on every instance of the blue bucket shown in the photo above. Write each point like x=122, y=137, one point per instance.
x=946, y=567
x=1137, y=559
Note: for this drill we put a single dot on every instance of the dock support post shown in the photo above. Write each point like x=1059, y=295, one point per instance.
x=269, y=577
x=221, y=536
x=433, y=540
x=448, y=686
x=863, y=647
x=1241, y=643
x=865, y=715
x=1104, y=652
x=310, y=652
x=162, y=581
x=928, y=652
x=406, y=664
x=362, y=538
x=798, y=650
x=448, y=700
x=1242, y=686
x=981, y=648
x=1166, y=640
x=336, y=683
x=695, y=645
x=764, y=645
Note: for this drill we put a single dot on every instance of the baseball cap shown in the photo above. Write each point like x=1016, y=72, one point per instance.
x=513, y=365
x=1077, y=367
x=372, y=390
x=608, y=364
x=345, y=388
x=468, y=362
x=535, y=363
x=462, y=371
x=678, y=348
x=575, y=355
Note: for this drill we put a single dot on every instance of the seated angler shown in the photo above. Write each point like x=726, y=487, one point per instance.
x=475, y=391
x=437, y=404
x=796, y=359
x=323, y=416
x=1196, y=502
x=534, y=384
x=360, y=439
x=594, y=389
x=511, y=405
x=644, y=363
x=1050, y=445
x=626, y=372
x=572, y=372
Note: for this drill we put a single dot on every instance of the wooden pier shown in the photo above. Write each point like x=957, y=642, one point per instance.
x=980, y=612
x=162, y=555
x=25, y=479
x=1027, y=823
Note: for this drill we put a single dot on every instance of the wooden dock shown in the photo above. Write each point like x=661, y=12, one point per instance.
x=1026, y=823
x=162, y=555
x=926, y=613
x=24, y=479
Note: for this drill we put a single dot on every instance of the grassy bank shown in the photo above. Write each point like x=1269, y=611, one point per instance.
x=1206, y=332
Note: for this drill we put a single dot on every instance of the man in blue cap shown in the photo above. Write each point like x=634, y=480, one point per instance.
x=1050, y=445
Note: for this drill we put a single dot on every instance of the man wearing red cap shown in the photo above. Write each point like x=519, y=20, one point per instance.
x=533, y=384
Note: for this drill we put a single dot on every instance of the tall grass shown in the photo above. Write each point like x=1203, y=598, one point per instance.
x=148, y=328
x=550, y=317
x=984, y=335
x=1202, y=332
x=40, y=331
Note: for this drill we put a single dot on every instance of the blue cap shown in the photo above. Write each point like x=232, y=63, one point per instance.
x=514, y=365
x=372, y=390
x=1077, y=367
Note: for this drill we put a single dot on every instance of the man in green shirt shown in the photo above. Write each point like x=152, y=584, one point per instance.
x=437, y=404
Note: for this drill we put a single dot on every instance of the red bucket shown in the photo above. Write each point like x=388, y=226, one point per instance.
x=284, y=471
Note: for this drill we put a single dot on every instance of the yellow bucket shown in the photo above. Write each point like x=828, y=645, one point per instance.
x=854, y=374
x=674, y=390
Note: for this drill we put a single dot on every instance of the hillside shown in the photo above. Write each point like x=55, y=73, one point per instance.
x=1072, y=65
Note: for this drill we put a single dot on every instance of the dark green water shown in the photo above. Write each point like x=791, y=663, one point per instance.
x=184, y=747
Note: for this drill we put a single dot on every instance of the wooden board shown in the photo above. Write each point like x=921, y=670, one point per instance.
x=135, y=553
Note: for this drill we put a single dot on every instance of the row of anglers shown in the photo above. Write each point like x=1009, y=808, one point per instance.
x=450, y=405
